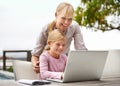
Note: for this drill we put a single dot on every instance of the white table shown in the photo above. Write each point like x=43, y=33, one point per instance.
x=103, y=82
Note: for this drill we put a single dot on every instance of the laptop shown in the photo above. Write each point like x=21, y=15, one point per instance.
x=84, y=66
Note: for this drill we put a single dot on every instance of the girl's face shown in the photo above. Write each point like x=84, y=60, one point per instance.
x=57, y=47
x=62, y=22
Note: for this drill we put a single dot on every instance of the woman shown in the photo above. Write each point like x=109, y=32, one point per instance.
x=64, y=22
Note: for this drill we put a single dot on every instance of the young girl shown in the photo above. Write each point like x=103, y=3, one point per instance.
x=53, y=60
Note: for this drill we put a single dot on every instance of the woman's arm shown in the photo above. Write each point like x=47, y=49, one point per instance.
x=78, y=38
x=38, y=49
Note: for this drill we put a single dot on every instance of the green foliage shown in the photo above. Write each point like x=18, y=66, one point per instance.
x=10, y=69
x=93, y=13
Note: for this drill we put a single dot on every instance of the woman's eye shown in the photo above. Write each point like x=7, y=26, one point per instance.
x=70, y=19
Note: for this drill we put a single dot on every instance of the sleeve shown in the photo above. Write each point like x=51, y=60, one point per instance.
x=78, y=38
x=40, y=43
x=44, y=70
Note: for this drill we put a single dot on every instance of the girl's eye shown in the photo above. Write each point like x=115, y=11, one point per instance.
x=63, y=45
x=58, y=44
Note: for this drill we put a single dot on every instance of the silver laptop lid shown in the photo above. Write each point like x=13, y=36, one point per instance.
x=84, y=65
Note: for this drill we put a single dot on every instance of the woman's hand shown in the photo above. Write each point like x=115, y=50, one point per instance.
x=35, y=63
x=36, y=67
x=62, y=75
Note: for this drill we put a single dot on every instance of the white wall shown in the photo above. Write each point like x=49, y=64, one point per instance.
x=21, y=22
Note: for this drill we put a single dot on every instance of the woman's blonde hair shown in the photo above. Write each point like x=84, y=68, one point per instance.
x=66, y=9
x=54, y=35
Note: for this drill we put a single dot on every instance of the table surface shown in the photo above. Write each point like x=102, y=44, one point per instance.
x=104, y=82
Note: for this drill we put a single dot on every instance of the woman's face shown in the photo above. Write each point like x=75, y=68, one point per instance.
x=62, y=22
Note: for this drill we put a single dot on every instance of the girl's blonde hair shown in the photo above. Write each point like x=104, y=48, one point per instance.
x=54, y=35
x=66, y=9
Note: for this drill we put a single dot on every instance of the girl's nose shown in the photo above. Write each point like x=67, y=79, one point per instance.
x=61, y=47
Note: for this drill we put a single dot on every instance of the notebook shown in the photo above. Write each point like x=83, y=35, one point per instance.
x=84, y=66
x=33, y=82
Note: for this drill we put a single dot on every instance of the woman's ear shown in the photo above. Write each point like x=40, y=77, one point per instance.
x=55, y=14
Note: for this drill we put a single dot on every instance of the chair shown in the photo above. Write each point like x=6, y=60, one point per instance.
x=23, y=70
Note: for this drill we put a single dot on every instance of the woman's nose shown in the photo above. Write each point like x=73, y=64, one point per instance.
x=66, y=21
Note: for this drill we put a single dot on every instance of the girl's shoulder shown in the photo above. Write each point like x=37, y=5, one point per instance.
x=44, y=55
x=64, y=56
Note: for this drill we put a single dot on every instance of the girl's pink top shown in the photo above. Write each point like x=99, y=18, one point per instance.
x=51, y=67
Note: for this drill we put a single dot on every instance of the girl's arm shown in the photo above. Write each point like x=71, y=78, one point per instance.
x=44, y=71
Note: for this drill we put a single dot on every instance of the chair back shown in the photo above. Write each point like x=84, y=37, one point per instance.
x=23, y=70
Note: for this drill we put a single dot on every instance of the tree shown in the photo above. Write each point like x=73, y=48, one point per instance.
x=96, y=14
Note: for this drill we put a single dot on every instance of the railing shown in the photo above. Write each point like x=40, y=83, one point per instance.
x=15, y=51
